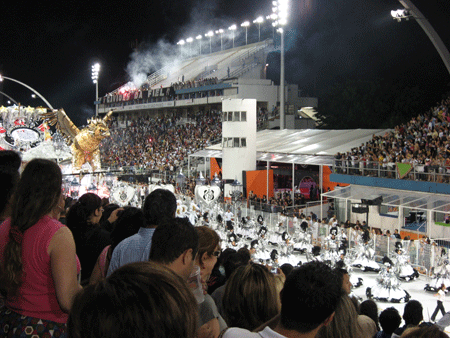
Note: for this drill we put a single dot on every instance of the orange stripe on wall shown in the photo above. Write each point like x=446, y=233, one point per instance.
x=214, y=167
x=326, y=180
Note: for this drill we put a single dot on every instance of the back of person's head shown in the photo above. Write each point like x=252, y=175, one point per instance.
x=413, y=312
x=38, y=192
x=9, y=176
x=250, y=297
x=309, y=297
x=171, y=239
x=286, y=268
x=107, y=210
x=245, y=253
x=81, y=212
x=424, y=332
x=232, y=262
x=344, y=323
x=370, y=309
x=159, y=205
x=390, y=320
x=127, y=224
x=138, y=300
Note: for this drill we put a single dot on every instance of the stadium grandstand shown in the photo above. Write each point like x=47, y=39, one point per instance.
x=201, y=82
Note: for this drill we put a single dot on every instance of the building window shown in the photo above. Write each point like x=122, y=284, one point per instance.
x=243, y=142
x=225, y=116
x=230, y=116
x=236, y=142
x=230, y=142
x=243, y=116
x=236, y=116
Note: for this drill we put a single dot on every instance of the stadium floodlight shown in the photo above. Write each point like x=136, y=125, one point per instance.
x=232, y=28
x=400, y=14
x=199, y=38
x=245, y=24
x=189, y=41
x=220, y=31
x=259, y=20
x=210, y=34
x=95, y=72
x=181, y=42
x=281, y=10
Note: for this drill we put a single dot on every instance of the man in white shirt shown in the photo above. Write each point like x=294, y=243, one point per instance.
x=227, y=218
x=308, y=301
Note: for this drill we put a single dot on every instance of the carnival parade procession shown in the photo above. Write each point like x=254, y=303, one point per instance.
x=230, y=184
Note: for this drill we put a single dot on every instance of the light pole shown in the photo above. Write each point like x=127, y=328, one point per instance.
x=259, y=20
x=232, y=28
x=281, y=9
x=210, y=34
x=410, y=10
x=220, y=31
x=199, y=38
x=181, y=44
x=27, y=86
x=189, y=41
x=95, y=72
x=245, y=24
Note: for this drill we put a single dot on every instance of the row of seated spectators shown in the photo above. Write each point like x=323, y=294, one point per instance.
x=160, y=142
x=195, y=83
x=423, y=142
x=146, y=273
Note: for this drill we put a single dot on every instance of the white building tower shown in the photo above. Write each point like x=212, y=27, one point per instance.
x=238, y=139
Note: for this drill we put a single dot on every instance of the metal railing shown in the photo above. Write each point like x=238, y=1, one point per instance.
x=431, y=173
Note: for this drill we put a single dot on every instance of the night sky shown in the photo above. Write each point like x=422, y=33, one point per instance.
x=51, y=47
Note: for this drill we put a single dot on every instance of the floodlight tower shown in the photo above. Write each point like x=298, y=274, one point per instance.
x=210, y=34
x=181, y=44
x=410, y=10
x=220, y=31
x=199, y=38
x=281, y=9
x=232, y=28
x=189, y=41
x=259, y=20
x=245, y=24
x=95, y=72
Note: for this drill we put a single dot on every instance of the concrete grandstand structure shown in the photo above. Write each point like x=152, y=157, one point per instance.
x=201, y=82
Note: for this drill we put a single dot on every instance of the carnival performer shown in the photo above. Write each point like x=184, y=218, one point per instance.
x=388, y=287
x=440, y=299
x=442, y=276
x=365, y=253
x=400, y=259
x=304, y=239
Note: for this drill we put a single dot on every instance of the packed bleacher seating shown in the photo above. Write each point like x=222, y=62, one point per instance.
x=160, y=143
x=422, y=142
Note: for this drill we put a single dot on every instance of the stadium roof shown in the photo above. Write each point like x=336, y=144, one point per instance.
x=305, y=146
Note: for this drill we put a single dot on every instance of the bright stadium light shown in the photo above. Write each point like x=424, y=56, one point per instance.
x=220, y=31
x=245, y=24
x=400, y=14
x=95, y=72
x=232, y=28
x=210, y=34
x=281, y=10
x=189, y=41
x=259, y=20
x=199, y=38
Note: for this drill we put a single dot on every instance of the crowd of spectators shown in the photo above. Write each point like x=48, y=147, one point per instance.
x=195, y=83
x=160, y=143
x=423, y=142
x=167, y=278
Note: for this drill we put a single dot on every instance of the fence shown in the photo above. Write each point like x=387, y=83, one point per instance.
x=432, y=173
x=421, y=255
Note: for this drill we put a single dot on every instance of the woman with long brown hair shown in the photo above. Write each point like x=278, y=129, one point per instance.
x=38, y=263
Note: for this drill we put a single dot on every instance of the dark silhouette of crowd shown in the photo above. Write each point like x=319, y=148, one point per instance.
x=146, y=273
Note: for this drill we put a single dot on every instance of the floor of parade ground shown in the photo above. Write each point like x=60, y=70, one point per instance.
x=415, y=289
